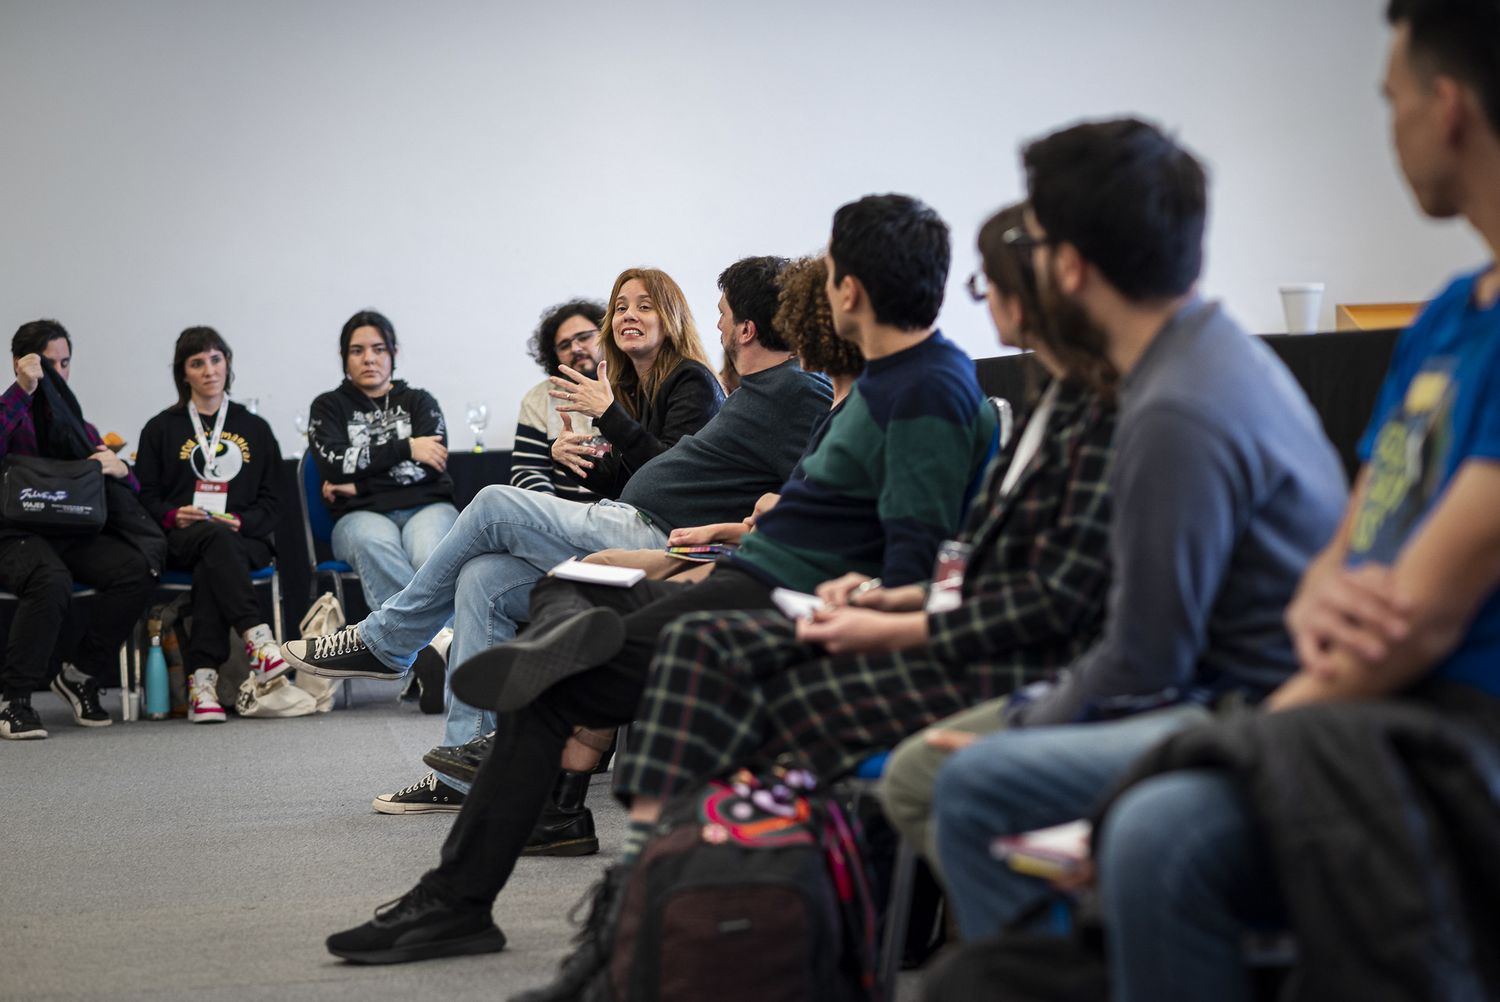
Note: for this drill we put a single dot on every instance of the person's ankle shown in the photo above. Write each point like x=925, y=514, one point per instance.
x=259, y=635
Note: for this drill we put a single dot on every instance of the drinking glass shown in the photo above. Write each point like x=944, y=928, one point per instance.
x=479, y=416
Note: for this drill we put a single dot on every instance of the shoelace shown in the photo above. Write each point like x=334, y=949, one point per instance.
x=427, y=782
x=345, y=641
x=414, y=898
x=88, y=695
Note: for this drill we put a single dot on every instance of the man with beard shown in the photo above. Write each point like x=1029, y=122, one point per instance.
x=567, y=335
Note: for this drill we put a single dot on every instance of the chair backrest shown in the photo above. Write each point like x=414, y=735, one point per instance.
x=317, y=521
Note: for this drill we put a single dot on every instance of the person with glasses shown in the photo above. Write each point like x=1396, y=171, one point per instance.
x=567, y=335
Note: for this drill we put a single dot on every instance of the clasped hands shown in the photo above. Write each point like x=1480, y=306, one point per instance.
x=858, y=620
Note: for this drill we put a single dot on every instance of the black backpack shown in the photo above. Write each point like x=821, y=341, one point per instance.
x=751, y=888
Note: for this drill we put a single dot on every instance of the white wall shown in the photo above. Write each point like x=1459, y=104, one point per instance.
x=270, y=167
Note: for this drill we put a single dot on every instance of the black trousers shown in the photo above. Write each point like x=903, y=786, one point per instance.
x=517, y=778
x=220, y=560
x=40, y=572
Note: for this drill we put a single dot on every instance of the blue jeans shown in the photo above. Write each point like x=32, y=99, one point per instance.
x=1018, y=781
x=481, y=574
x=1182, y=874
x=386, y=548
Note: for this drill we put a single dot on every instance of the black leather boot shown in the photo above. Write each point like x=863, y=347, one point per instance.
x=566, y=827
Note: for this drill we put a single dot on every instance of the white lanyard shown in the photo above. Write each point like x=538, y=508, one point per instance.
x=209, y=446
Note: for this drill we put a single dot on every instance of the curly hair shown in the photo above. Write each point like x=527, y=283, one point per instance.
x=543, y=343
x=805, y=320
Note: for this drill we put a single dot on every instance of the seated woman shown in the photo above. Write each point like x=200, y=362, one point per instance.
x=652, y=387
x=381, y=447
x=40, y=570
x=208, y=471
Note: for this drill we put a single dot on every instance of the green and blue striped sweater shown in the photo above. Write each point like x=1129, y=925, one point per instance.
x=890, y=479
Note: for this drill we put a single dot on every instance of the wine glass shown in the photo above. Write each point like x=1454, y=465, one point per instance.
x=479, y=416
x=301, y=423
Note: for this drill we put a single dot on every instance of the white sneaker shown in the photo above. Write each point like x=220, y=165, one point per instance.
x=203, y=698
x=265, y=661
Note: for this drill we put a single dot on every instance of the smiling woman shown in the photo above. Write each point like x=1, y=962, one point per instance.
x=655, y=385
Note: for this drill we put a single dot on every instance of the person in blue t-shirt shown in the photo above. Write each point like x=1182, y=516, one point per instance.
x=1334, y=814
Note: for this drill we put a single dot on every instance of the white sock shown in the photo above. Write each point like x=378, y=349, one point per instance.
x=72, y=674
x=259, y=636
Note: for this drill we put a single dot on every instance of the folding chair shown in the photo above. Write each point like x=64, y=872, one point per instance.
x=317, y=531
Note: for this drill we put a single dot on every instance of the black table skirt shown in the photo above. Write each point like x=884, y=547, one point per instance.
x=1340, y=371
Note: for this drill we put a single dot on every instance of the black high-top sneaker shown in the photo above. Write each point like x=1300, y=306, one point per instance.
x=337, y=655
x=81, y=693
x=19, y=722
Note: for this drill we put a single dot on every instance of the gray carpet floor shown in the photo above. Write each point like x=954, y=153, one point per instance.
x=164, y=860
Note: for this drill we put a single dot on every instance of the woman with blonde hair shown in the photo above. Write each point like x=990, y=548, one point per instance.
x=653, y=386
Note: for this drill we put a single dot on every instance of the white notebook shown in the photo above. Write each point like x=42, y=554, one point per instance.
x=795, y=604
x=598, y=574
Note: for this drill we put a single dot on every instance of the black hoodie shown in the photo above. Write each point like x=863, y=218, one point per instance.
x=367, y=442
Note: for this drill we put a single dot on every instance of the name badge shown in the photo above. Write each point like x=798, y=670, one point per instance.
x=211, y=495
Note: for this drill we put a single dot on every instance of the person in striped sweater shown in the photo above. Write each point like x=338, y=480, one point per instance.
x=567, y=335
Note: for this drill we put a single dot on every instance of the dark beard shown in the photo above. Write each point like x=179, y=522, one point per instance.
x=586, y=366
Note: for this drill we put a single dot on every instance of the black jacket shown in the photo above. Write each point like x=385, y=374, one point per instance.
x=168, y=466
x=367, y=443
x=1383, y=821
x=684, y=403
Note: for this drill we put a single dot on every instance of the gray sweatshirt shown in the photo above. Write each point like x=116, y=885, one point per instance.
x=748, y=449
x=1224, y=488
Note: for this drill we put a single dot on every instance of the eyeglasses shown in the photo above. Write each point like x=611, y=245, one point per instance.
x=978, y=286
x=1018, y=239
x=582, y=340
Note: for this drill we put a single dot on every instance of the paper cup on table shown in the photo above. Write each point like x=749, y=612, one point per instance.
x=1302, y=303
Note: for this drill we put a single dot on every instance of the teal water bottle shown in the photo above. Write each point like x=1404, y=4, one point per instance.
x=158, y=696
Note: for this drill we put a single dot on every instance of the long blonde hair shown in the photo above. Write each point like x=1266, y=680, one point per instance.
x=679, y=339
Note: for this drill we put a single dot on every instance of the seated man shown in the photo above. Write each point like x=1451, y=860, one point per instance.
x=567, y=335
x=507, y=538
x=381, y=447
x=885, y=485
x=1381, y=857
x=1224, y=487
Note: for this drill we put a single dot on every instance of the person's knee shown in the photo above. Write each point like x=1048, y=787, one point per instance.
x=50, y=582
x=1153, y=846
x=906, y=786
x=966, y=795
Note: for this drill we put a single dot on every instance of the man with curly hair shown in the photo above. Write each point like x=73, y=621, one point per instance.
x=567, y=335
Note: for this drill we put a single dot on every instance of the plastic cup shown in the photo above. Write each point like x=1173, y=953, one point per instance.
x=1302, y=302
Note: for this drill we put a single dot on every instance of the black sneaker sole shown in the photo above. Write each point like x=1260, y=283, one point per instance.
x=77, y=707
x=491, y=940
x=510, y=676
x=442, y=764
x=564, y=847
